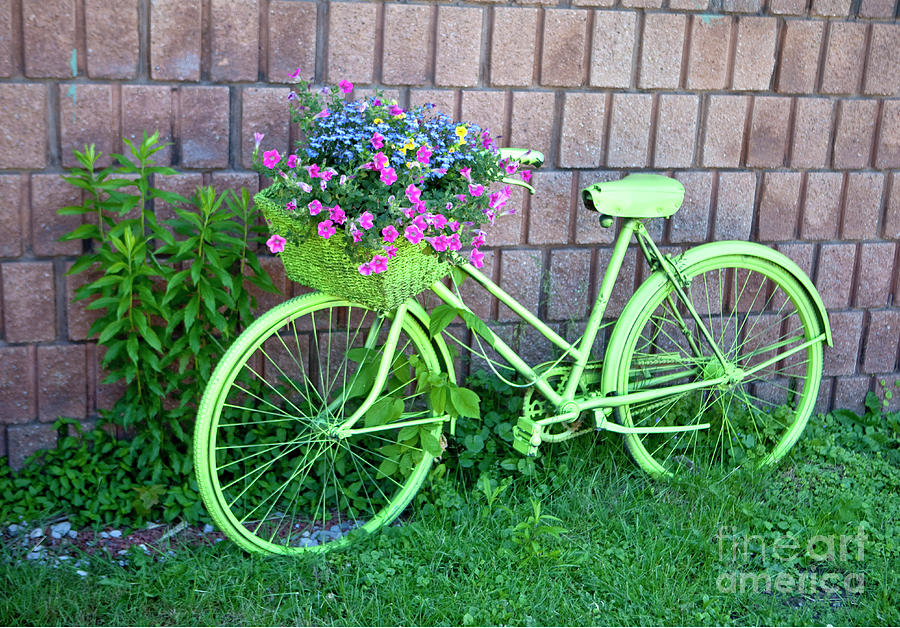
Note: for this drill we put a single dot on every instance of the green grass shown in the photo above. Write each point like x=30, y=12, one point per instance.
x=625, y=549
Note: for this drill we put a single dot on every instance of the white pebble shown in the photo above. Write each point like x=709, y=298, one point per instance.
x=81, y=572
x=33, y=556
x=104, y=534
x=60, y=529
x=14, y=529
x=207, y=529
x=64, y=557
x=36, y=533
x=115, y=533
x=122, y=552
x=73, y=534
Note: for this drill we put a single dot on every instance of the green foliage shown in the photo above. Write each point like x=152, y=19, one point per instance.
x=171, y=297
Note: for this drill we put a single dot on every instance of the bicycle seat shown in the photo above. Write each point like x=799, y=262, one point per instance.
x=635, y=196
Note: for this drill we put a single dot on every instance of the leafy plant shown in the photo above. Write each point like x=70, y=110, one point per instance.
x=171, y=297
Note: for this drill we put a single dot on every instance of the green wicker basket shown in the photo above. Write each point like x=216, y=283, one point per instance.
x=325, y=266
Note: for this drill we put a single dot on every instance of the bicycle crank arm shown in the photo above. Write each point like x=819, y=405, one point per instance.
x=604, y=424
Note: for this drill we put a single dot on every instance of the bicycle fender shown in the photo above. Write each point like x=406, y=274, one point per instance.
x=711, y=249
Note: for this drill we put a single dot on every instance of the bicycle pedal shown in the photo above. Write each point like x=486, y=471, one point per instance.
x=526, y=436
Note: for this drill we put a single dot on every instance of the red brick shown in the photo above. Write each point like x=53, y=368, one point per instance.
x=892, y=221
x=532, y=121
x=550, y=209
x=148, y=108
x=17, y=395
x=768, y=131
x=835, y=274
x=725, y=117
x=787, y=7
x=351, y=42
x=292, y=40
x=204, y=124
x=78, y=318
x=87, y=115
x=876, y=266
x=513, y=46
x=876, y=8
x=520, y=274
x=612, y=48
x=487, y=110
x=111, y=31
x=629, y=131
x=812, y=133
x=888, y=151
x=407, y=44
x=264, y=110
x=185, y=184
x=779, y=205
x=801, y=253
x=830, y=8
x=24, y=440
x=458, y=55
x=23, y=118
x=570, y=283
x=49, y=37
x=754, y=57
x=661, y=55
x=676, y=130
x=689, y=5
x=853, y=139
x=863, y=207
x=224, y=180
x=822, y=211
x=708, y=59
x=882, y=76
x=444, y=101
x=588, y=229
x=29, y=301
x=234, y=40
x=175, y=40
x=565, y=46
x=881, y=342
x=850, y=393
x=843, y=65
x=473, y=295
x=594, y=3
x=49, y=193
x=691, y=223
x=736, y=199
x=799, y=56
x=507, y=228
x=581, y=141
x=642, y=4
x=625, y=281
x=7, y=60
x=61, y=382
x=846, y=329
x=12, y=193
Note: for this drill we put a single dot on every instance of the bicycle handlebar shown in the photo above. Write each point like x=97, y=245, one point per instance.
x=524, y=156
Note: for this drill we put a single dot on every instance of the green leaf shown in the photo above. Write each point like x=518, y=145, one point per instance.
x=87, y=231
x=387, y=468
x=475, y=324
x=441, y=316
x=438, y=397
x=407, y=432
x=466, y=402
x=431, y=443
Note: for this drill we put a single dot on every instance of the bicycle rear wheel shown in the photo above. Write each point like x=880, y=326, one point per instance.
x=765, y=323
x=275, y=471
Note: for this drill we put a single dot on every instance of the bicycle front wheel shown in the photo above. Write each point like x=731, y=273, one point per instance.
x=278, y=470
x=767, y=328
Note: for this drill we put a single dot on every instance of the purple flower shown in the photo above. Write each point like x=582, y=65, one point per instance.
x=466, y=173
x=326, y=229
x=313, y=171
x=291, y=205
x=315, y=206
x=377, y=140
x=337, y=214
x=439, y=221
x=526, y=175
x=322, y=114
x=365, y=220
x=478, y=239
x=306, y=187
x=395, y=110
x=346, y=86
x=258, y=138
x=455, y=243
x=357, y=236
x=276, y=243
x=381, y=161
x=292, y=161
x=271, y=158
x=379, y=264
x=511, y=167
x=295, y=75
x=388, y=176
x=389, y=233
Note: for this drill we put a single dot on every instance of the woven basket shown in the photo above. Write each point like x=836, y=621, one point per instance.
x=325, y=266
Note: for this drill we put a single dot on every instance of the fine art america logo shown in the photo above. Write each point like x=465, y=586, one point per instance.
x=780, y=553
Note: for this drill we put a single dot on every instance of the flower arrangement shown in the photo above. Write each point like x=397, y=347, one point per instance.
x=376, y=178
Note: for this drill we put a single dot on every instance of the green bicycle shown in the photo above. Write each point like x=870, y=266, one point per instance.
x=321, y=422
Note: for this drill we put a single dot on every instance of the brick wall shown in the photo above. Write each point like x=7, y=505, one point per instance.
x=782, y=118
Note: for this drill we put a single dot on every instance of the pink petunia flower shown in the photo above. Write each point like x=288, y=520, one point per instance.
x=413, y=234
x=365, y=220
x=390, y=251
x=413, y=193
x=291, y=205
x=306, y=187
x=380, y=160
x=455, y=243
x=292, y=161
x=365, y=269
x=526, y=175
x=327, y=229
x=377, y=140
x=419, y=223
x=476, y=189
x=461, y=198
x=326, y=174
x=454, y=225
x=466, y=173
x=379, y=264
x=315, y=206
x=357, y=236
x=313, y=171
x=511, y=167
x=389, y=233
x=271, y=158
x=477, y=258
x=423, y=155
x=395, y=110
x=337, y=214
x=295, y=74
x=499, y=199
x=346, y=86
x=439, y=243
x=478, y=239
x=388, y=176
x=258, y=138
x=439, y=221
x=276, y=243
x=409, y=212
x=322, y=114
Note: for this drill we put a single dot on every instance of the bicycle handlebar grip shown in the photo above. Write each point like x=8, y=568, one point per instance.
x=525, y=156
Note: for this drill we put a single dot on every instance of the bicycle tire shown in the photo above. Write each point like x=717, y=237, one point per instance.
x=272, y=473
x=756, y=309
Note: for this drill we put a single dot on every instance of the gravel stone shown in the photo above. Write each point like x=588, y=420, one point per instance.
x=61, y=529
x=104, y=534
x=81, y=572
x=37, y=532
x=115, y=533
x=73, y=534
x=14, y=529
x=33, y=556
x=207, y=529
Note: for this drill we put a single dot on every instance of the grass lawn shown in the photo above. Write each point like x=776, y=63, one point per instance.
x=587, y=539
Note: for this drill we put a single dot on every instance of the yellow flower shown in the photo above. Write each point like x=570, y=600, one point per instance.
x=461, y=131
x=377, y=120
x=410, y=145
